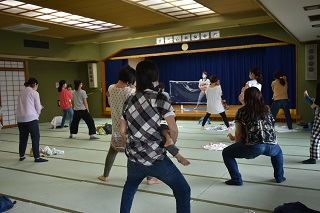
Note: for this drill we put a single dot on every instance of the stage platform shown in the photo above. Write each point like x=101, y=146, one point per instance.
x=187, y=112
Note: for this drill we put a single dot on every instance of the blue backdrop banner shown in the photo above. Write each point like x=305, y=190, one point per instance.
x=185, y=92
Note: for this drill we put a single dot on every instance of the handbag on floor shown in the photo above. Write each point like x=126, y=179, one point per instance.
x=118, y=142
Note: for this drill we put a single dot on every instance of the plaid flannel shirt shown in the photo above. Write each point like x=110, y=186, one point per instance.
x=143, y=144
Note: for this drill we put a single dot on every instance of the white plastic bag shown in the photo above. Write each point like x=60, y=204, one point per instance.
x=56, y=121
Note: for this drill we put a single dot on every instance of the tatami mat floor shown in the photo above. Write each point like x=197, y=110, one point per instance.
x=68, y=182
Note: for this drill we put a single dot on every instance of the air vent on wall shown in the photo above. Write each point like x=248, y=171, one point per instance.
x=25, y=28
x=36, y=44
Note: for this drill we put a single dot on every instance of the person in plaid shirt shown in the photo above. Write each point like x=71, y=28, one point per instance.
x=146, y=157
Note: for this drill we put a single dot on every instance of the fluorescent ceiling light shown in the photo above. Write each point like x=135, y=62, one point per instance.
x=175, y=8
x=14, y=10
x=36, y=12
x=29, y=6
x=12, y=3
x=31, y=14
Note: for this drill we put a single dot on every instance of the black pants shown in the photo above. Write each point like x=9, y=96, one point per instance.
x=85, y=115
x=25, y=129
x=222, y=114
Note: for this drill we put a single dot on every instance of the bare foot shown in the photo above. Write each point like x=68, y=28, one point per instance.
x=182, y=160
x=169, y=142
x=231, y=137
x=103, y=178
x=153, y=181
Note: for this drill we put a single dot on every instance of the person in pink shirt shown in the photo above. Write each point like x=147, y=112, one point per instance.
x=28, y=111
x=65, y=98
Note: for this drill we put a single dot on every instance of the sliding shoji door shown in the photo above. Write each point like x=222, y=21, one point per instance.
x=12, y=79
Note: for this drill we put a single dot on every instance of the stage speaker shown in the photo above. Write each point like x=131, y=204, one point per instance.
x=311, y=61
x=92, y=74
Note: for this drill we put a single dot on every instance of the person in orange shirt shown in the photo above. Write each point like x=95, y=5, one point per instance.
x=65, y=102
x=280, y=97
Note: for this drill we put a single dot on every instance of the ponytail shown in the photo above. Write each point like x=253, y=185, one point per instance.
x=61, y=83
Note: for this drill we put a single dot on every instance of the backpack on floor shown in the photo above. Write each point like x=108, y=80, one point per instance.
x=295, y=207
x=6, y=203
x=107, y=128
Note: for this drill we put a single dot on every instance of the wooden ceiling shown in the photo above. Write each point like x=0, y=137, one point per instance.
x=138, y=21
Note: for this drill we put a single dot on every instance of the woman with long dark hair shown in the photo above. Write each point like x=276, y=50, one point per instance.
x=81, y=111
x=28, y=112
x=280, y=97
x=142, y=113
x=254, y=136
x=65, y=98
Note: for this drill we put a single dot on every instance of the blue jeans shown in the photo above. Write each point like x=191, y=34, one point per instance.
x=167, y=172
x=65, y=112
x=26, y=128
x=240, y=150
x=276, y=105
x=310, y=102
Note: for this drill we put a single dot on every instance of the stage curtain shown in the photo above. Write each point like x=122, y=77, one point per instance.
x=232, y=67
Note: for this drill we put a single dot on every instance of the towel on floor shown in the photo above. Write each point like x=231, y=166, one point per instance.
x=215, y=147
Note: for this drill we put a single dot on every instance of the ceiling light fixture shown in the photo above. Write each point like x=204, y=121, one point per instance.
x=312, y=7
x=35, y=12
x=175, y=8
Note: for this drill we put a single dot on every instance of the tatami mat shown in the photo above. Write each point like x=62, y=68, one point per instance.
x=68, y=182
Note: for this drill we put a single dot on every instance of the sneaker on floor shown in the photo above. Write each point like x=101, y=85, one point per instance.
x=40, y=160
x=233, y=183
x=94, y=138
x=70, y=136
x=22, y=158
x=309, y=161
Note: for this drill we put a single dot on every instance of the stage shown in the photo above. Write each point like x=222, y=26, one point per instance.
x=187, y=112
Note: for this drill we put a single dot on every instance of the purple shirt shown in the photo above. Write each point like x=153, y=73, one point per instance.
x=29, y=106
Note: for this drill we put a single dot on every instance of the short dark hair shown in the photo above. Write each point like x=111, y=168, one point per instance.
x=77, y=84
x=127, y=74
x=213, y=79
x=146, y=73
